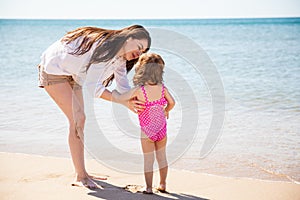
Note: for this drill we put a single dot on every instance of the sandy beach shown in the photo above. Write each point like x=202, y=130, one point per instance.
x=259, y=138
x=26, y=176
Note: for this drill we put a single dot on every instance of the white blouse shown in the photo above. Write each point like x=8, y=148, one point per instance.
x=57, y=60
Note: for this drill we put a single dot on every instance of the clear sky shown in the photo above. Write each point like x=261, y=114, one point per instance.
x=147, y=9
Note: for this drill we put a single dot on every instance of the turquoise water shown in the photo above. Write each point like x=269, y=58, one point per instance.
x=258, y=61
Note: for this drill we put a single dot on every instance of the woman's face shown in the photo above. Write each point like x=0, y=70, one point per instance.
x=133, y=48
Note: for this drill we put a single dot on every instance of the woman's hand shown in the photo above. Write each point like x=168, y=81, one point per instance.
x=132, y=103
x=135, y=105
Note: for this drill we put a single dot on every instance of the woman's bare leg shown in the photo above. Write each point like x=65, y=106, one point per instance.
x=160, y=150
x=148, y=150
x=79, y=118
x=71, y=103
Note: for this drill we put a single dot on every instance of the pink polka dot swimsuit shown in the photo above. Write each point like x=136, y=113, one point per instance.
x=152, y=120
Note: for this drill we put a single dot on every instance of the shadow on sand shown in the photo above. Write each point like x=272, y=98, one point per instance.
x=109, y=191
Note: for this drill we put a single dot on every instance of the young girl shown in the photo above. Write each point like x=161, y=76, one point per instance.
x=148, y=80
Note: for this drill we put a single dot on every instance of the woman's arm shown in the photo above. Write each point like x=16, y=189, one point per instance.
x=122, y=83
x=122, y=98
x=116, y=97
x=106, y=95
x=129, y=99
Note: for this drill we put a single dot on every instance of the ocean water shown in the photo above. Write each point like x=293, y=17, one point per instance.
x=258, y=61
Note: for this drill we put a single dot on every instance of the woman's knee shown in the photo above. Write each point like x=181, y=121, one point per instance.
x=79, y=118
x=77, y=122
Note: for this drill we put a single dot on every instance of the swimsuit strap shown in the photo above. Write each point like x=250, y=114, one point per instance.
x=144, y=92
x=163, y=91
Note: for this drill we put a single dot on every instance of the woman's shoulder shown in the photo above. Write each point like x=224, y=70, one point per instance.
x=71, y=46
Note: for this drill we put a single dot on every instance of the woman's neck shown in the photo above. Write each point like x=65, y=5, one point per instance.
x=121, y=53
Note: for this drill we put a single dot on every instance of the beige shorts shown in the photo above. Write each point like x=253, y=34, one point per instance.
x=50, y=79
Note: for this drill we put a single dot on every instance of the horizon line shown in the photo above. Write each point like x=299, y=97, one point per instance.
x=203, y=18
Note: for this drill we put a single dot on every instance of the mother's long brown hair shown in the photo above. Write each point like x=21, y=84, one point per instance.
x=109, y=43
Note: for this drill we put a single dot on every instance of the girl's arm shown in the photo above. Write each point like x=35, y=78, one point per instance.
x=171, y=102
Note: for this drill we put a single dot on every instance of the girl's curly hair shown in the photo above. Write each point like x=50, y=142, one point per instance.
x=149, y=69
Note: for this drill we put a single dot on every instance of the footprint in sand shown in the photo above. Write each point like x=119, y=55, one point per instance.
x=140, y=189
x=53, y=175
x=40, y=178
x=133, y=188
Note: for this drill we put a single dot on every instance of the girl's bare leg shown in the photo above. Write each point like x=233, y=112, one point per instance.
x=71, y=103
x=160, y=150
x=148, y=150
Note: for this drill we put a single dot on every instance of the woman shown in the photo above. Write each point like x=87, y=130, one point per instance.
x=69, y=63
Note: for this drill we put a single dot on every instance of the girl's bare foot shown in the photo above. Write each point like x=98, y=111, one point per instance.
x=162, y=188
x=148, y=190
x=85, y=182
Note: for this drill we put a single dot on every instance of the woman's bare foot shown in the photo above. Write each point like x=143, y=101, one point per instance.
x=85, y=182
x=96, y=177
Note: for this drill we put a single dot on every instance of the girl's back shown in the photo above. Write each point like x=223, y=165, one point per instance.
x=152, y=118
x=154, y=92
